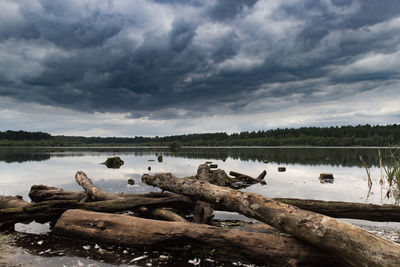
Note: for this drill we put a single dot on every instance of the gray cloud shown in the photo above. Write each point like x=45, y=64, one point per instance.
x=181, y=59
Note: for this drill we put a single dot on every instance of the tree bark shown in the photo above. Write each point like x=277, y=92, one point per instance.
x=348, y=242
x=338, y=209
x=39, y=193
x=161, y=214
x=12, y=202
x=203, y=211
x=270, y=249
x=92, y=192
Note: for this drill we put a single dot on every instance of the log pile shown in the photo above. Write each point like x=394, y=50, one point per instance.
x=159, y=219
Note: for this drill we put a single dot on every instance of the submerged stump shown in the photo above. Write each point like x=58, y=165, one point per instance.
x=114, y=162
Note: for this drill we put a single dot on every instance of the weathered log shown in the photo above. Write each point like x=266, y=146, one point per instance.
x=45, y=193
x=40, y=193
x=351, y=210
x=12, y=202
x=50, y=210
x=336, y=209
x=203, y=211
x=97, y=194
x=347, y=241
x=92, y=192
x=270, y=249
x=162, y=214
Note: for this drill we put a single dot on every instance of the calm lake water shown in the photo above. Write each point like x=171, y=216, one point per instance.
x=20, y=168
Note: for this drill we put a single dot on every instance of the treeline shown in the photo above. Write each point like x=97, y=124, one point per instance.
x=23, y=135
x=361, y=135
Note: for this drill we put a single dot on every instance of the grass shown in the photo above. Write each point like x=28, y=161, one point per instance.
x=392, y=170
x=390, y=164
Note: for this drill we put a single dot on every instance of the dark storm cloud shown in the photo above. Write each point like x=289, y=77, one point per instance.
x=165, y=59
x=228, y=9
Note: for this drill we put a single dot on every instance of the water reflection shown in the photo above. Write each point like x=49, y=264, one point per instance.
x=301, y=178
x=9, y=155
x=304, y=155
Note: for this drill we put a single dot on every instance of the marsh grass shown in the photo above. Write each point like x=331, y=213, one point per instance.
x=390, y=164
x=392, y=170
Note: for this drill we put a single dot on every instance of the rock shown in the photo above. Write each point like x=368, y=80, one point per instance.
x=326, y=178
x=213, y=166
x=149, y=168
x=281, y=169
x=114, y=162
x=160, y=158
x=131, y=181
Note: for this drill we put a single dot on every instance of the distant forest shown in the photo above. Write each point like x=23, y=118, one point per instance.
x=361, y=135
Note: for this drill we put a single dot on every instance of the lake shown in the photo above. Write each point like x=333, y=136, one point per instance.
x=20, y=168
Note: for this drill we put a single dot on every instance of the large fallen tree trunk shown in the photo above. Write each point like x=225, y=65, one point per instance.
x=50, y=210
x=336, y=209
x=12, y=202
x=349, y=242
x=125, y=230
x=39, y=193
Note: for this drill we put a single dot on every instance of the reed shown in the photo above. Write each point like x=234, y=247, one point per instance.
x=392, y=170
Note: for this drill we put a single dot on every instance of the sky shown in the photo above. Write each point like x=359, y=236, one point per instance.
x=147, y=68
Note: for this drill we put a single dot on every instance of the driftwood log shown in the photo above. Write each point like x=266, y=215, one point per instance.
x=52, y=202
x=270, y=249
x=336, y=209
x=348, y=242
x=203, y=212
x=350, y=210
x=50, y=210
x=40, y=193
x=12, y=202
x=96, y=194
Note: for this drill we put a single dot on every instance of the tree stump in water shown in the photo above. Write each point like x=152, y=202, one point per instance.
x=114, y=162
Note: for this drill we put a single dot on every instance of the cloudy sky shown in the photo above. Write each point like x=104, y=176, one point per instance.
x=127, y=68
